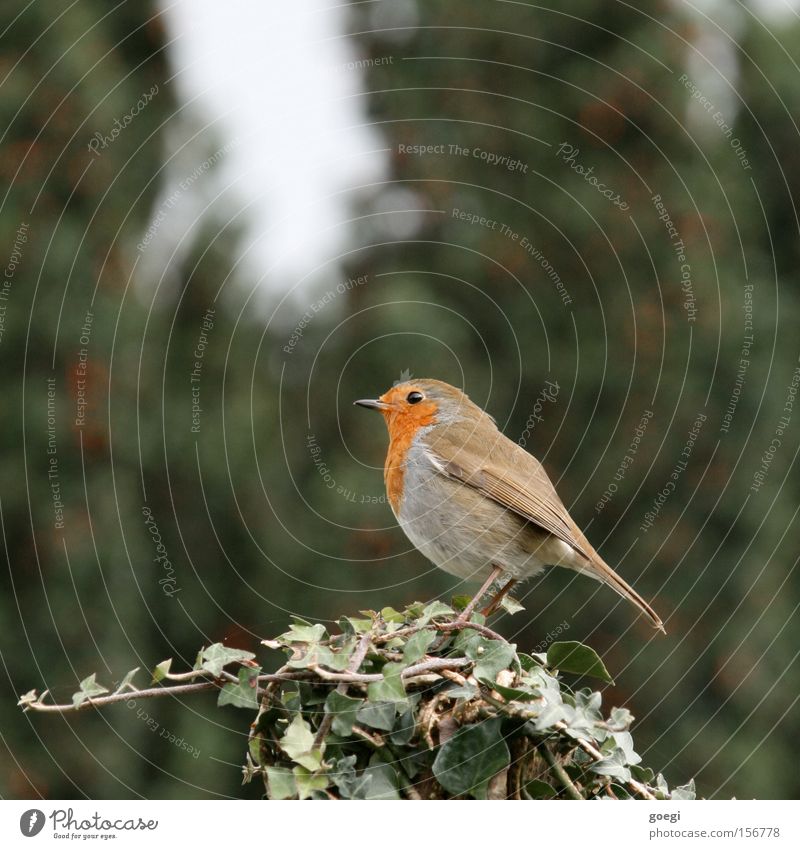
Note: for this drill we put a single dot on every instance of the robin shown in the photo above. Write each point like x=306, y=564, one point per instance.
x=475, y=503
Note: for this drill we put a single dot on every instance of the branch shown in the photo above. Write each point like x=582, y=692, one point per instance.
x=558, y=770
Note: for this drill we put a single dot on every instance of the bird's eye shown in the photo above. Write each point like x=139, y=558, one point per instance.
x=414, y=397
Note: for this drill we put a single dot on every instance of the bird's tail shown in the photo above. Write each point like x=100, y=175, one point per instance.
x=598, y=569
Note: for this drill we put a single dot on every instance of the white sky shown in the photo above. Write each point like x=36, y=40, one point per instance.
x=276, y=72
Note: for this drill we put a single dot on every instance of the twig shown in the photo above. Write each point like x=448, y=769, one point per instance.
x=456, y=625
x=356, y=660
x=559, y=771
x=102, y=701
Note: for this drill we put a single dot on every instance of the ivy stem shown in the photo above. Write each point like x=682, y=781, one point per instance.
x=558, y=770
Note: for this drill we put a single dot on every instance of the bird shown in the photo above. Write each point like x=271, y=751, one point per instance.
x=474, y=502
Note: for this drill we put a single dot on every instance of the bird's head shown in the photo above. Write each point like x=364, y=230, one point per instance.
x=418, y=403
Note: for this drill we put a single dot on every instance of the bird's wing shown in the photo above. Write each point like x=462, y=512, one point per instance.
x=506, y=473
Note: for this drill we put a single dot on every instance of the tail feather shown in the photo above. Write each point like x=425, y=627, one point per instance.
x=598, y=569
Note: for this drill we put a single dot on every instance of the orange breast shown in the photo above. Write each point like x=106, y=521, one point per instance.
x=402, y=430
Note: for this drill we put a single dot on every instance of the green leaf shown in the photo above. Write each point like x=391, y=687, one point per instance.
x=216, y=656
x=460, y=602
x=307, y=782
x=389, y=614
x=280, y=783
x=360, y=626
x=243, y=694
x=403, y=731
x=416, y=646
x=298, y=741
x=613, y=766
x=380, y=715
x=537, y=789
x=624, y=740
x=512, y=694
x=577, y=658
x=510, y=605
x=391, y=688
x=302, y=632
x=684, y=792
x=89, y=688
x=470, y=758
x=28, y=699
x=344, y=709
x=491, y=656
x=434, y=609
x=377, y=781
x=161, y=671
x=126, y=681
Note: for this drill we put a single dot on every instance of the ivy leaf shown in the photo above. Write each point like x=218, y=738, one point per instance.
x=491, y=656
x=378, y=715
x=577, y=658
x=512, y=694
x=244, y=693
x=89, y=688
x=391, y=688
x=28, y=699
x=298, y=742
x=404, y=729
x=216, y=656
x=510, y=605
x=344, y=709
x=471, y=757
x=613, y=766
x=307, y=782
x=377, y=781
x=126, y=681
x=684, y=792
x=389, y=614
x=280, y=783
x=416, y=646
x=537, y=789
x=434, y=609
x=301, y=631
x=624, y=740
x=161, y=671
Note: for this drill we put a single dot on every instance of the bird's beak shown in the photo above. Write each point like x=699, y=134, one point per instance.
x=372, y=404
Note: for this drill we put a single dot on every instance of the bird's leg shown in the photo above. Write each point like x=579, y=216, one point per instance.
x=467, y=611
x=495, y=602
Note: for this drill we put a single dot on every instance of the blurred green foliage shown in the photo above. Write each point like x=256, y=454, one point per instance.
x=274, y=504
